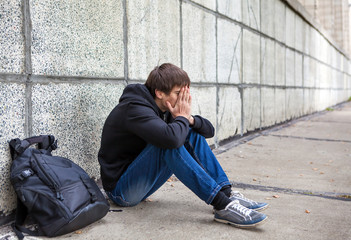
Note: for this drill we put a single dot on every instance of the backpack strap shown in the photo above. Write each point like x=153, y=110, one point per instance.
x=90, y=188
x=17, y=226
x=17, y=146
x=47, y=142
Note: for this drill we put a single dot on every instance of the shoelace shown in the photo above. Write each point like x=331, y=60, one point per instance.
x=238, y=194
x=240, y=208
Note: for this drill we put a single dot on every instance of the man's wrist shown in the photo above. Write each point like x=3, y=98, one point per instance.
x=191, y=120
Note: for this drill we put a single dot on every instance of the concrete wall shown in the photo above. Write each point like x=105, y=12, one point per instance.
x=333, y=17
x=64, y=64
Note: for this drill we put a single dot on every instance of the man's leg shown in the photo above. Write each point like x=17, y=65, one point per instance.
x=151, y=169
x=189, y=172
x=144, y=176
x=201, y=152
x=154, y=166
x=198, y=147
x=193, y=175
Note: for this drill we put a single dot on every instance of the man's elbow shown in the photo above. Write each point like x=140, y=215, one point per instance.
x=210, y=133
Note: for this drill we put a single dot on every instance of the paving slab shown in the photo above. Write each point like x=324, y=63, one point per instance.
x=334, y=126
x=335, y=117
x=291, y=163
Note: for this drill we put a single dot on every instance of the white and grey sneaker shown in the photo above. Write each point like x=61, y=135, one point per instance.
x=239, y=216
x=257, y=206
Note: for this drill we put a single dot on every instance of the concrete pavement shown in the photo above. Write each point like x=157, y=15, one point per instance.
x=301, y=168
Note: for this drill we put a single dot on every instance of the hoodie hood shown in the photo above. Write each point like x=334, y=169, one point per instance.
x=139, y=94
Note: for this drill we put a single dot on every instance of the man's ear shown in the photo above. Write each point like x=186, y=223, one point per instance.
x=159, y=94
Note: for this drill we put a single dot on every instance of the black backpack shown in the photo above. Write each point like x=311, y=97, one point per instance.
x=58, y=195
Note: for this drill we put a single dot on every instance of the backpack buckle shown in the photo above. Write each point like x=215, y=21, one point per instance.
x=53, y=146
x=25, y=173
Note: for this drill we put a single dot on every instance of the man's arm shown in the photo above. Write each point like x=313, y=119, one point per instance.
x=143, y=122
x=203, y=126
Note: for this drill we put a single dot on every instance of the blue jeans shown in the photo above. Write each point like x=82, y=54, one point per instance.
x=193, y=164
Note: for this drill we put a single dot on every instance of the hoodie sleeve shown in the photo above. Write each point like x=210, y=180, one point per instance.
x=203, y=126
x=145, y=123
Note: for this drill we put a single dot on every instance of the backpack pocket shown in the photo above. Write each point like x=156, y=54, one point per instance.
x=47, y=211
x=45, y=173
x=75, y=196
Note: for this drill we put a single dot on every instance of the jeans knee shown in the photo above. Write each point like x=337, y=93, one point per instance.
x=119, y=201
x=195, y=135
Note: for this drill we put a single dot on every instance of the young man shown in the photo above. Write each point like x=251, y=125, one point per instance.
x=151, y=135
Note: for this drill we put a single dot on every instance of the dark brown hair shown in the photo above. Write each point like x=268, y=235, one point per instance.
x=165, y=77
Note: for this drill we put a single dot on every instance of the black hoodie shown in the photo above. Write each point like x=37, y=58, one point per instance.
x=135, y=122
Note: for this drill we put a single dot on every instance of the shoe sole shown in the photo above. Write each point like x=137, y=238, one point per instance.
x=261, y=208
x=241, y=225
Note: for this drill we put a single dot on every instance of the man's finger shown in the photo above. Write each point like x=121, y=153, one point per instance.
x=186, y=94
x=189, y=95
x=181, y=94
x=170, y=108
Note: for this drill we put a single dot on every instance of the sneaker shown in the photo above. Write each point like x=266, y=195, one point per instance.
x=257, y=206
x=239, y=216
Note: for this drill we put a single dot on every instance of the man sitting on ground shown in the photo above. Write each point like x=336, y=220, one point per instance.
x=151, y=135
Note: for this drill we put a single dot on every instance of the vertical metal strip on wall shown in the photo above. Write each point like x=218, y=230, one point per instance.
x=27, y=32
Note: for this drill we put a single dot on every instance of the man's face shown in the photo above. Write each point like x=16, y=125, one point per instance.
x=172, y=97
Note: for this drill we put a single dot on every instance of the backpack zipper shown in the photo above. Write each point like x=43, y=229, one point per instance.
x=51, y=180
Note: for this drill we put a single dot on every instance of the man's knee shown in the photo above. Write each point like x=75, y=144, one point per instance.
x=129, y=201
x=195, y=135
